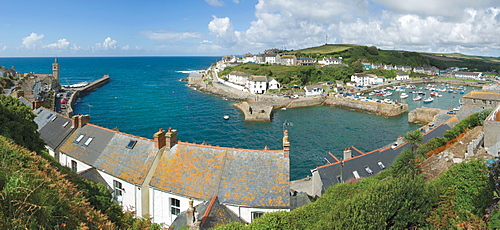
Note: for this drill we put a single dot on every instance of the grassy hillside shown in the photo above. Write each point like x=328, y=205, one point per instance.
x=326, y=49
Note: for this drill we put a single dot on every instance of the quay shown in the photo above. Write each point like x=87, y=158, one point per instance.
x=80, y=92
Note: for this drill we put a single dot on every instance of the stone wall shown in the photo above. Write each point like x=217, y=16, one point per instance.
x=383, y=109
x=423, y=114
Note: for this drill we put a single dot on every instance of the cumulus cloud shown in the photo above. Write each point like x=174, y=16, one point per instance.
x=108, y=44
x=169, y=36
x=60, y=44
x=215, y=3
x=420, y=25
x=32, y=41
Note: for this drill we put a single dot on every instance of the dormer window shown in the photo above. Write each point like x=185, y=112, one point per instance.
x=368, y=170
x=356, y=174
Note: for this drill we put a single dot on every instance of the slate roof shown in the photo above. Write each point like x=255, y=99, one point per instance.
x=53, y=127
x=25, y=101
x=258, y=78
x=108, y=152
x=255, y=178
x=360, y=161
x=210, y=213
x=93, y=175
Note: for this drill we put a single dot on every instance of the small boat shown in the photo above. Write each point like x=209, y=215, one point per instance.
x=428, y=100
x=418, y=98
x=457, y=108
x=462, y=92
x=403, y=96
x=226, y=117
x=283, y=108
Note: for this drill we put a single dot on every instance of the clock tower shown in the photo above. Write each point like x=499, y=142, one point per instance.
x=55, y=70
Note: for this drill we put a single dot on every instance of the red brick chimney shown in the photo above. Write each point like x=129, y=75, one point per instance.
x=80, y=120
x=159, y=139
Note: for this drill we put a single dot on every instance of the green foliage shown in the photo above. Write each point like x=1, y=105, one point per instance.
x=467, y=123
x=16, y=123
x=465, y=192
x=36, y=196
x=404, y=164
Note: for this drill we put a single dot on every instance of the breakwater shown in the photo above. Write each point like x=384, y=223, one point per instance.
x=80, y=92
x=388, y=110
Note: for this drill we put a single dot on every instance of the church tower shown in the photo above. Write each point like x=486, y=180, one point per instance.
x=55, y=70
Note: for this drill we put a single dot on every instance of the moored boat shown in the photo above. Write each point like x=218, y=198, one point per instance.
x=428, y=100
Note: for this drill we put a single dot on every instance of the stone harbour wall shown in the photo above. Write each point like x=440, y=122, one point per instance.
x=383, y=109
x=423, y=114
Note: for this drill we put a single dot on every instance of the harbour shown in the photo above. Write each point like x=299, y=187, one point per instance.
x=145, y=93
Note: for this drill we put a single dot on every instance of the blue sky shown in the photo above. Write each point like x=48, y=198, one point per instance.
x=31, y=28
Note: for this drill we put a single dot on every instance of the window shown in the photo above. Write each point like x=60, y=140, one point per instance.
x=474, y=101
x=74, y=166
x=381, y=165
x=50, y=115
x=118, y=189
x=339, y=179
x=54, y=118
x=175, y=206
x=87, y=143
x=79, y=138
x=65, y=124
x=131, y=144
x=256, y=215
x=39, y=111
x=484, y=101
x=368, y=170
x=356, y=174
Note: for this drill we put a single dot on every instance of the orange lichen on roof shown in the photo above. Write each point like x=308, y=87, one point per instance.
x=204, y=145
x=242, y=177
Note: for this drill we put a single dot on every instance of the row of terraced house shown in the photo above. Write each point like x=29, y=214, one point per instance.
x=163, y=177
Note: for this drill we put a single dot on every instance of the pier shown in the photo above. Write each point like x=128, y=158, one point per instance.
x=79, y=92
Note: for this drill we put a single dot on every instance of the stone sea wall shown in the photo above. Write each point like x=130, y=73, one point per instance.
x=383, y=109
x=424, y=114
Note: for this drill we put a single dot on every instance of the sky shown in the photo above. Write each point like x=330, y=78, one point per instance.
x=66, y=28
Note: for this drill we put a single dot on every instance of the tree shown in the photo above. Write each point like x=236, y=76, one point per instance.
x=415, y=139
x=357, y=66
x=372, y=50
x=16, y=123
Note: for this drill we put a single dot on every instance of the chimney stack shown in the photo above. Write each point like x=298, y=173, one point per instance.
x=286, y=144
x=190, y=218
x=347, y=153
x=159, y=139
x=171, y=138
x=80, y=120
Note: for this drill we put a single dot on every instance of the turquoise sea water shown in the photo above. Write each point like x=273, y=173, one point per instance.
x=145, y=94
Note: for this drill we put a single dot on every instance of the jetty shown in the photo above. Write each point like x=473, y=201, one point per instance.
x=82, y=91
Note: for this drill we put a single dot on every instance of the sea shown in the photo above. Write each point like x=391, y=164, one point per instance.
x=145, y=94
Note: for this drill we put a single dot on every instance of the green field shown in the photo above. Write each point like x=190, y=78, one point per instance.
x=325, y=49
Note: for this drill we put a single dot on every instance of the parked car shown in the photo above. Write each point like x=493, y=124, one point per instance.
x=393, y=146
x=451, y=112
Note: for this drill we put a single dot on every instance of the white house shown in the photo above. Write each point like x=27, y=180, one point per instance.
x=366, y=79
x=272, y=58
x=469, y=75
x=313, y=90
x=248, y=58
x=330, y=61
x=388, y=67
x=273, y=84
x=237, y=77
x=401, y=76
x=159, y=176
x=289, y=60
x=257, y=84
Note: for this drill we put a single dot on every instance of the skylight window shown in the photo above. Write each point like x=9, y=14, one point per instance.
x=39, y=111
x=53, y=118
x=356, y=174
x=131, y=144
x=368, y=170
x=50, y=115
x=65, y=124
x=381, y=165
x=79, y=138
x=87, y=143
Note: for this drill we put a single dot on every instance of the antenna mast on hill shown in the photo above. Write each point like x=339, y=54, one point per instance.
x=326, y=39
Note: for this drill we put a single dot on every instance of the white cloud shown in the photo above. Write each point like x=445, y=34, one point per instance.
x=170, y=36
x=32, y=41
x=215, y=3
x=419, y=25
x=108, y=44
x=60, y=44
